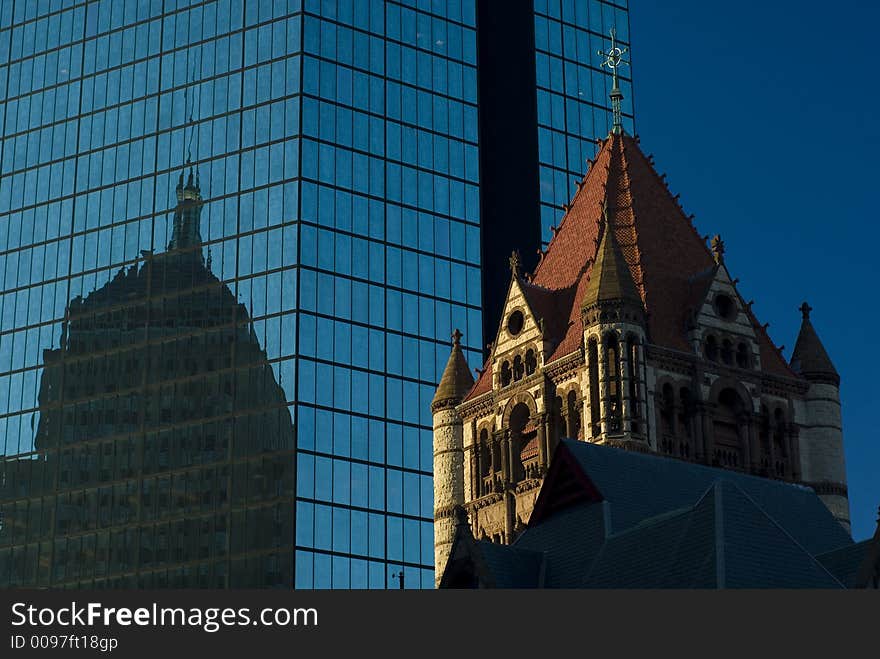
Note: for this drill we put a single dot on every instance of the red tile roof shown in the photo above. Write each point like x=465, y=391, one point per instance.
x=483, y=383
x=665, y=253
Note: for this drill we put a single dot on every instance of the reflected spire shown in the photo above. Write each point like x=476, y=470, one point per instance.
x=186, y=231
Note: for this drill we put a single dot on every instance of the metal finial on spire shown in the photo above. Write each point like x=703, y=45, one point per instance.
x=613, y=60
x=805, y=310
x=515, y=263
x=717, y=248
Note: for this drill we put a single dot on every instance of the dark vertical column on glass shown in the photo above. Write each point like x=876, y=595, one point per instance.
x=509, y=207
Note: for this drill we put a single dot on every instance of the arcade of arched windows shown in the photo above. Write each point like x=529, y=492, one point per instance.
x=727, y=351
x=676, y=411
x=568, y=413
x=726, y=433
x=615, y=382
x=488, y=467
x=505, y=457
x=774, y=443
x=522, y=365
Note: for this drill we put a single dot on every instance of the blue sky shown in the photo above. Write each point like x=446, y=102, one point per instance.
x=765, y=116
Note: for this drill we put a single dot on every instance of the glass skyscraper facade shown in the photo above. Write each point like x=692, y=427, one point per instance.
x=235, y=238
x=572, y=93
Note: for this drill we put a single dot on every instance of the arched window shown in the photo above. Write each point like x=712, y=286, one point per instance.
x=726, y=433
x=517, y=368
x=595, y=408
x=685, y=414
x=506, y=375
x=710, y=349
x=727, y=351
x=612, y=374
x=574, y=416
x=531, y=362
x=764, y=440
x=779, y=444
x=633, y=370
x=519, y=419
x=485, y=457
x=742, y=356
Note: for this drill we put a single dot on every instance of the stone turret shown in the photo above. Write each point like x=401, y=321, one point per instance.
x=614, y=335
x=448, y=451
x=821, y=437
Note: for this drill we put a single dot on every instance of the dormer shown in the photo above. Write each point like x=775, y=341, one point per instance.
x=520, y=343
x=720, y=327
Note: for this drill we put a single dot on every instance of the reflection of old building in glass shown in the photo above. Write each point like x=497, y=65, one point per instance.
x=164, y=450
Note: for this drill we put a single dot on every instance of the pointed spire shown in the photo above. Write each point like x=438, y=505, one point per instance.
x=809, y=358
x=610, y=278
x=456, y=380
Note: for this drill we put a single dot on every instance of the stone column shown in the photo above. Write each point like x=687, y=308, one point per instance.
x=625, y=402
x=795, y=452
x=543, y=447
x=697, y=425
x=509, y=516
x=745, y=440
x=505, y=457
x=603, y=387
x=708, y=439
x=475, y=469
x=754, y=448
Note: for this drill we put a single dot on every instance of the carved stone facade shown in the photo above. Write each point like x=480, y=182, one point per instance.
x=631, y=332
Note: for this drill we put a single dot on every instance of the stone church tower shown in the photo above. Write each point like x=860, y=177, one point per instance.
x=631, y=332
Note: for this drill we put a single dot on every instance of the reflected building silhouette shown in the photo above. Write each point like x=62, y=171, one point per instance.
x=165, y=452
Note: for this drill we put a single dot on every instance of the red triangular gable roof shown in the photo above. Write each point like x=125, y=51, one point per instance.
x=663, y=250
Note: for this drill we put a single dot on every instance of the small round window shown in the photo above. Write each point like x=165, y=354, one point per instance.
x=515, y=323
x=725, y=307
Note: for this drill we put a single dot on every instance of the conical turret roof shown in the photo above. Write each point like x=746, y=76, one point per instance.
x=809, y=358
x=457, y=379
x=610, y=276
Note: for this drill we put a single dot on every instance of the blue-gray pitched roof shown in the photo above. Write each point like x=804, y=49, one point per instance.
x=724, y=541
x=648, y=521
x=511, y=567
x=640, y=486
x=844, y=563
x=570, y=539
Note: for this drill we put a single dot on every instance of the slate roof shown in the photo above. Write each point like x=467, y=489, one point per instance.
x=845, y=562
x=511, y=567
x=656, y=522
x=724, y=541
x=457, y=379
x=643, y=485
x=809, y=357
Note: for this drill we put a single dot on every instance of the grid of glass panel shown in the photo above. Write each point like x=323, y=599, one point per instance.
x=573, y=105
x=148, y=322
x=234, y=240
x=389, y=267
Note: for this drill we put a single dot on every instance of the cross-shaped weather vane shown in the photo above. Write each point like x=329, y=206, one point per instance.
x=613, y=60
